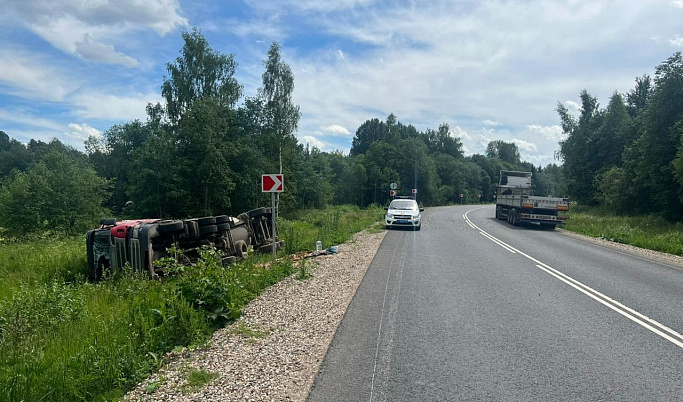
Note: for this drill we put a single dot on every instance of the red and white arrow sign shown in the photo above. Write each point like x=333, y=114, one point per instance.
x=272, y=183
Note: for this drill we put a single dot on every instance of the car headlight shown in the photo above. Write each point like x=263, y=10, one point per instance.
x=390, y=216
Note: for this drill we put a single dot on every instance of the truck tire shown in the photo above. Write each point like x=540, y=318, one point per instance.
x=257, y=212
x=170, y=226
x=512, y=216
x=207, y=220
x=222, y=219
x=499, y=213
x=515, y=217
x=208, y=229
x=223, y=227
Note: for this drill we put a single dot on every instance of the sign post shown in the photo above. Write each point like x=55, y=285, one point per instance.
x=273, y=183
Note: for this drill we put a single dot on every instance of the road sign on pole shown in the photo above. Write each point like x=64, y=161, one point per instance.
x=393, y=186
x=414, y=191
x=392, y=193
x=272, y=183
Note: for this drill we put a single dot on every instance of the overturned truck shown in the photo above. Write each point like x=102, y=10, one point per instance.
x=139, y=242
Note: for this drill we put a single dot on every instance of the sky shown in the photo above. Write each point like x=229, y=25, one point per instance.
x=490, y=69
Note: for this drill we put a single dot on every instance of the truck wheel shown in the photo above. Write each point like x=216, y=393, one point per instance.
x=257, y=212
x=170, y=226
x=515, y=217
x=208, y=220
x=499, y=213
x=223, y=227
x=208, y=229
x=222, y=219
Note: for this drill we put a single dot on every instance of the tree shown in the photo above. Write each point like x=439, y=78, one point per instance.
x=60, y=193
x=369, y=132
x=282, y=115
x=203, y=152
x=200, y=72
x=505, y=151
x=13, y=155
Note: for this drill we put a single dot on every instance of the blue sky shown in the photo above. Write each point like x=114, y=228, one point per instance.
x=492, y=70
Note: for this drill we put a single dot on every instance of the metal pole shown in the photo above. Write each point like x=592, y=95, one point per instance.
x=273, y=215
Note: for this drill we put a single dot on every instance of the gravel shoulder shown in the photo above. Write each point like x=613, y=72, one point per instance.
x=273, y=352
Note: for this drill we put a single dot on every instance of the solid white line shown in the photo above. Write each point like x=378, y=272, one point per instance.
x=615, y=308
x=622, y=309
x=498, y=242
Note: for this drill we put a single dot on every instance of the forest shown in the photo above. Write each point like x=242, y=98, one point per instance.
x=204, y=150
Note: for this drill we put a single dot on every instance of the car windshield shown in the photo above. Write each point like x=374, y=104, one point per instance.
x=404, y=204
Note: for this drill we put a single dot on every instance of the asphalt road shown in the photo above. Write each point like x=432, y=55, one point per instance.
x=471, y=308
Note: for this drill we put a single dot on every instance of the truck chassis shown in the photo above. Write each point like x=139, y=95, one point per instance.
x=139, y=243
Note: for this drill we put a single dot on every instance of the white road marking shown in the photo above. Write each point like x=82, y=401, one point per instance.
x=640, y=319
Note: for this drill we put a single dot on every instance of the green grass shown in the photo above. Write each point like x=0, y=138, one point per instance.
x=39, y=261
x=64, y=339
x=197, y=379
x=650, y=232
x=332, y=226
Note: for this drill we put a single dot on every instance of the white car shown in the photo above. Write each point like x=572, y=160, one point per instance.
x=404, y=213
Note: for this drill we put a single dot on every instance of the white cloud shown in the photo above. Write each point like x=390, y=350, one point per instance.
x=458, y=132
x=572, y=106
x=525, y=145
x=313, y=142
x=90, y=50
x=84, y=28
x=491, y=123
x=33, y=76
x=104, y=104
x=82, y=131
x=261, y=28
x=306, y=6
x=551, y=133
x=678, y=42
x=677, y=3
x=336, y=130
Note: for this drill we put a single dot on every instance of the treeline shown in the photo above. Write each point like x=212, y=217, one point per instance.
x=202, y=153
x=628, y=157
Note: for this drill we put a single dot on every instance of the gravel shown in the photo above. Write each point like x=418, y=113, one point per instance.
x=273, y=352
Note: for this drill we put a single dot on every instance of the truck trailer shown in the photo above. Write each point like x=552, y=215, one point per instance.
x=515, y=202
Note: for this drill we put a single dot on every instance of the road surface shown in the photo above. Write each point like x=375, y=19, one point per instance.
x=471, y=308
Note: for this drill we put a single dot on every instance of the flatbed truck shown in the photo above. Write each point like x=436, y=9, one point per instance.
x=515, y=202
